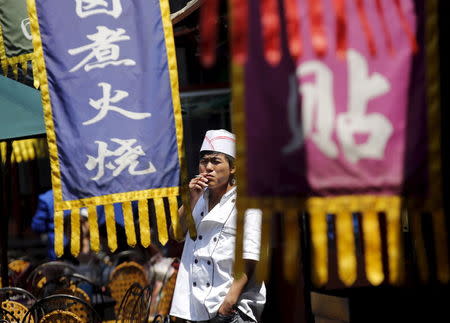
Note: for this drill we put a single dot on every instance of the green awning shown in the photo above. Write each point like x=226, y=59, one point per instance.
x=21, y=112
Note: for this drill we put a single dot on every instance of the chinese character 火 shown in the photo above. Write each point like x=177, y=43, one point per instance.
x=104, y=105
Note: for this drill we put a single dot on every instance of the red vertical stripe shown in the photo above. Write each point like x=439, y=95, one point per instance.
x=406, y=27
x=293, y=28
x=319, y=40
x=387, y=35
x=271, y=31
x=239, y=30
x=366, y=27
x=208, y=31
x=341, y=27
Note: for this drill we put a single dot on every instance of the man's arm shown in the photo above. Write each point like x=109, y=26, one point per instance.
x=238, y=285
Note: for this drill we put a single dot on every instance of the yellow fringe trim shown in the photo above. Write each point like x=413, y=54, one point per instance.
x=395, y=245
x=25, y=150
x=75, y=232
x=111, y=227
x=173, y=73
x=3, y=58
x=372, y=247
x=173, y=207
x=346, y=250
x=93, y=228
x=129, y=223
x=319, y=240
x=419, y=245
x=440, y=242
x=161, y=221
x=144, y=223
x=59, y=233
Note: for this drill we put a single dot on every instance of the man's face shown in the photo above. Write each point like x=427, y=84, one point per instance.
x=216, y=168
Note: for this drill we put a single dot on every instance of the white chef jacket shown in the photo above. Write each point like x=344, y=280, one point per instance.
x=205, y=272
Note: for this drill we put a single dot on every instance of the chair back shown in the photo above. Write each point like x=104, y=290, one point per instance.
x=54, y=306
x=122, y=277
x=45, y=273
x=135, y=304
x=16, y=300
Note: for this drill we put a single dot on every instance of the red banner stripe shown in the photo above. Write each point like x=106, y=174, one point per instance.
x=271, y=31
x=406, y=27
x=208, y=32
x=293, y=28
x=319, y=40
x=341, y=28
x=239, y=30
x=366, y=27
x=386, y=32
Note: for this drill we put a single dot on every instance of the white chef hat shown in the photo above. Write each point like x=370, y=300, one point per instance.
x=221, y=141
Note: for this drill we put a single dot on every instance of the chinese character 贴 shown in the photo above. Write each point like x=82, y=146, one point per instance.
x=104, y=105
x=85, y=8
x=127, y=157
x=102, y=50
x=319, y=109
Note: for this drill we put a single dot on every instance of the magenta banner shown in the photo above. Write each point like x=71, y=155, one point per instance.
x=340, y=121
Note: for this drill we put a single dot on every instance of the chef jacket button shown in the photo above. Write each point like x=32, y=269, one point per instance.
x=233, y=200
x=201, y=214
x=208, y=262
x=196, y=260
x=207, y=285
x=200, y=237
x=215, y=239
x=194, y=283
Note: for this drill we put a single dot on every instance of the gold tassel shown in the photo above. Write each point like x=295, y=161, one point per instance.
x=93, y=228
x=59, y=233
x=346, y=251
x=111, y=227
x=129, y=223
x=394, y=243
x=263, y=267
x=24, y=67
x=15, y=70
x=419, y=244
x=319, y=252
x=173, y=206
x=144, y=223
x=75, y=232
x=36, y=82
x=292, y=245
x=441, y=246
x=161, y=220
x=372, y=247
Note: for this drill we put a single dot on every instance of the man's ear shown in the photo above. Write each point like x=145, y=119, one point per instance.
x=233, y=170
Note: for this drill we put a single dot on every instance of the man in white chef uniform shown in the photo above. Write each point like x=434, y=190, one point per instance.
x=206, y=290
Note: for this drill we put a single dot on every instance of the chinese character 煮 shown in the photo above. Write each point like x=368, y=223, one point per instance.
x=102, y=50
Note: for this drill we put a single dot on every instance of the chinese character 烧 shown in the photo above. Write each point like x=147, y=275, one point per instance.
x=104, y=105
x=85, y=8
x=102, y=50
x=319, y=110
x=127, y=157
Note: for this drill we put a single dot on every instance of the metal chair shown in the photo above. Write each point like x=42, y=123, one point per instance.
x=16, y=301
x=45, y=273
x=122, y=277
x=55, y=307
x=135, y=304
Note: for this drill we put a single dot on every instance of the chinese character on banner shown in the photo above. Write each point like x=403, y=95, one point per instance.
x=111, y=140
x=341, y=105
